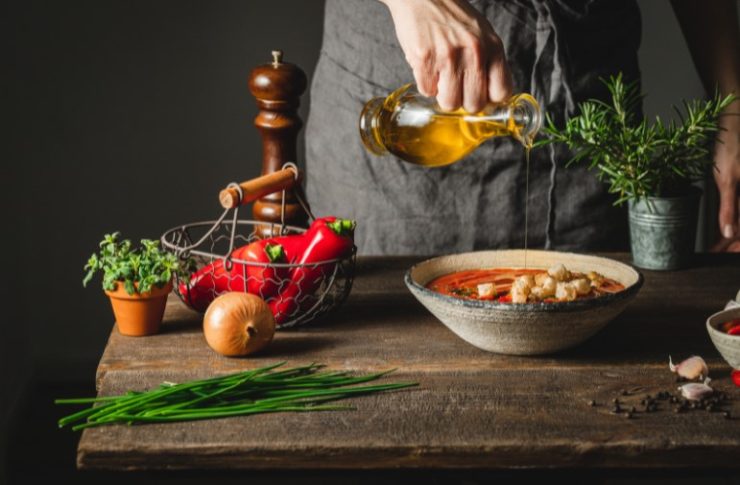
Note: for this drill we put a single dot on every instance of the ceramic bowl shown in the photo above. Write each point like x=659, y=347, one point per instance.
x=529, y=328
x=727, y=345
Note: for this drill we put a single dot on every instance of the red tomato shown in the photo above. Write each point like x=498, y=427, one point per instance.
x=727, y=327
x=736, y=377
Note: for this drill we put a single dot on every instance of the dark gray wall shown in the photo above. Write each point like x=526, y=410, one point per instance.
x=122, y=116
x=130, y=116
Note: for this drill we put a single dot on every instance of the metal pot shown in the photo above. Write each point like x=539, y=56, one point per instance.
x=663, y=230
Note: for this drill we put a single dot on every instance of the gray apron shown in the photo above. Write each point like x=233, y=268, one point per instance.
x=557, y=50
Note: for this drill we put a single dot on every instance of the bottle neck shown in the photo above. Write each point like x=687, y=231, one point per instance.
x=520, y=117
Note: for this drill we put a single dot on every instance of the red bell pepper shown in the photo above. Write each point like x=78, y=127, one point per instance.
x=214, y=279
x=263, y=281
x=206, y=284
x=326, y=239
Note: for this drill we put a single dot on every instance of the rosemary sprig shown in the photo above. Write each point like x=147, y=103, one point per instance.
x=637, y=158
x=257, y=391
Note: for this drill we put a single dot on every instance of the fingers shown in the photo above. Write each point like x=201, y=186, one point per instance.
x=425, y=74
x=475, y=86
x=726, y=246
x=454, y=53
x=500, y=84
x=728, y=210
x=449, y=88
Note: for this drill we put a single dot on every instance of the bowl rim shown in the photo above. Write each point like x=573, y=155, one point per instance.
x=534, y=307
x=712, y=329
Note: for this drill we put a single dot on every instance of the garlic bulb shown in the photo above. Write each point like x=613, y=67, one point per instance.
x=692, y=368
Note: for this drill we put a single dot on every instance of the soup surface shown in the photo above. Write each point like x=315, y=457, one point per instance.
x=518, y=285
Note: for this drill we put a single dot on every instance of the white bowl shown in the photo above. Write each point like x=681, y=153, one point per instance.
x=727, y=345
x=528, y=328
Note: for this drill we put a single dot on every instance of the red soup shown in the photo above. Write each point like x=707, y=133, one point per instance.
x=465, y=284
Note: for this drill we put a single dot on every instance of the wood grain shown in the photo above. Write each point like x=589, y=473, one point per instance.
x=473, y=409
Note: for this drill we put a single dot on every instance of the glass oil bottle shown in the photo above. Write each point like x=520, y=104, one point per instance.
x=414, y=128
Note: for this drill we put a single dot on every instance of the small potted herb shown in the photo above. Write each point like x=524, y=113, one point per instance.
x=137, y=280
x=652, y=166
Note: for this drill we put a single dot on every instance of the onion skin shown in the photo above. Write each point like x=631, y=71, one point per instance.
x=238, y=324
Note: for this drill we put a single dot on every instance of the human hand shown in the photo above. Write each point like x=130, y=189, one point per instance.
x=453, y=51
x=727, y=176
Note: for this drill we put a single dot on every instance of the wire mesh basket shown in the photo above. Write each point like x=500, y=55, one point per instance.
x=319, y=287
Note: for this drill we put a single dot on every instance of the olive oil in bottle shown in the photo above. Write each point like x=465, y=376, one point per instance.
x=414, y=128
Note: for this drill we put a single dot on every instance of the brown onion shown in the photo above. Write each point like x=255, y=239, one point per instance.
x=238, y=324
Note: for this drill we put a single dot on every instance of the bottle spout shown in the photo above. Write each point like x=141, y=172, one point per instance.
x=527, y=117
x=370, y=126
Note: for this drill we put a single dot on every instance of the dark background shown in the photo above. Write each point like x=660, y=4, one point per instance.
x=130, y=116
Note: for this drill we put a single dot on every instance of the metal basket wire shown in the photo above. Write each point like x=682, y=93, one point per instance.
x=210, y=241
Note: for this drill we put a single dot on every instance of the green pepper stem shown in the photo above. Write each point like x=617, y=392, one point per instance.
x=342, y=226
x=274, y=252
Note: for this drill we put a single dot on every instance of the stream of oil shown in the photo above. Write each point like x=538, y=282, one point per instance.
x=527, y=149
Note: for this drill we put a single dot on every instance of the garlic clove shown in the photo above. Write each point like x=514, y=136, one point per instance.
x=692, y=368
x=695, y=391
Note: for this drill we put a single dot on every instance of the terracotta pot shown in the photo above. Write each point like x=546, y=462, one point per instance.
x=139, y=314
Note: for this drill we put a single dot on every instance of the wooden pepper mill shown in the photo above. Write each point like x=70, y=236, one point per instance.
x=277, y=86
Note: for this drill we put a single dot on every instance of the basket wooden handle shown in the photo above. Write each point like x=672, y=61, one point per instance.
x=258, y=187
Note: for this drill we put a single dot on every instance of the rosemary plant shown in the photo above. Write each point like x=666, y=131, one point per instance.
x=258, y=391
x=639, y=159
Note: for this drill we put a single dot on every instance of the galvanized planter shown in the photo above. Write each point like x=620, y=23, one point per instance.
x=663, y=231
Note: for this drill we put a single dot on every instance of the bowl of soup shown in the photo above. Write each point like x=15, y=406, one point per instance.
x=724, y=330
x=524, y=302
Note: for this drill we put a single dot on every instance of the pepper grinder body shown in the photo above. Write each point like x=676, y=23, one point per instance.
x=277, y=87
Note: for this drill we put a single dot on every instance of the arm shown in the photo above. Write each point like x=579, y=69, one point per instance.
x=453, y=51
x=711, y=31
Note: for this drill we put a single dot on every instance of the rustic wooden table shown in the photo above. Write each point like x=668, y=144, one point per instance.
x=473, y=409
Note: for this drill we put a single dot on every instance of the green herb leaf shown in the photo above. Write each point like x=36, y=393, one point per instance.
x=146, y=265
x=639, y=159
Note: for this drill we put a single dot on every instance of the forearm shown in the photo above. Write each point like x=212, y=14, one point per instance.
x=711, y=31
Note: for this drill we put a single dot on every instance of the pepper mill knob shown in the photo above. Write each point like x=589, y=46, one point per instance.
x=277, y=86
x=277, y=58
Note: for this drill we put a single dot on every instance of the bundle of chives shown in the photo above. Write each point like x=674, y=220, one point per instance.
x=263, y=390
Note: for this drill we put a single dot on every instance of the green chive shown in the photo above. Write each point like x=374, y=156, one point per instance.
x=258, y=391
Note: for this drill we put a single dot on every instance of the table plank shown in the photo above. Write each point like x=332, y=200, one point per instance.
x=473, y=409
